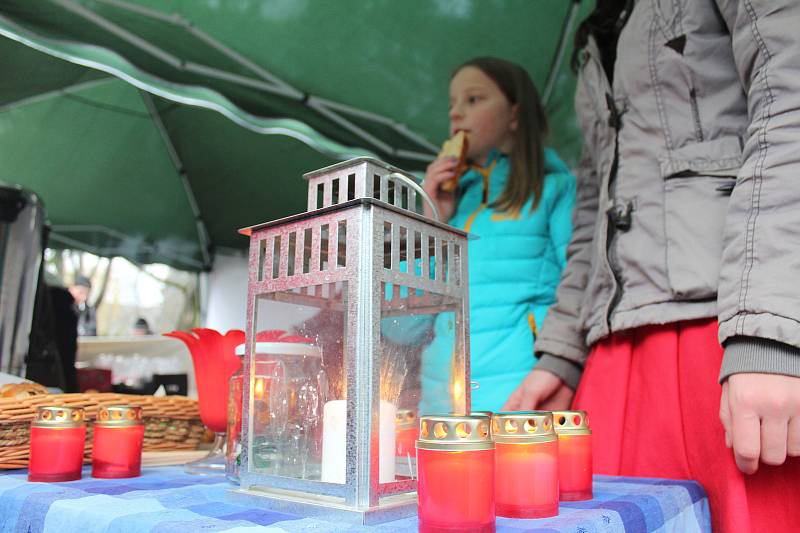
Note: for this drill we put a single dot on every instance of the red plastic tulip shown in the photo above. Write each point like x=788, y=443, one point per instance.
x=215, y=361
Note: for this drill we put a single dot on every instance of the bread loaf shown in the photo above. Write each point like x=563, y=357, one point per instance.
x=21, y=390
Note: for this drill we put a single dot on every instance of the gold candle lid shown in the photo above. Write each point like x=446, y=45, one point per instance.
x=522, y=427
x=454, y=433
x=571, y=422
x=58, y=416
x=114, y=416
x=405, y=419
x=487, y=414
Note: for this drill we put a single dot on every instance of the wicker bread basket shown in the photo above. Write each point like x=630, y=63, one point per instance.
x=171, y=422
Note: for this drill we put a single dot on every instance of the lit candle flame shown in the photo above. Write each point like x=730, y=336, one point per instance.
x=457, y=379
x=258, y=390
x=458, y=394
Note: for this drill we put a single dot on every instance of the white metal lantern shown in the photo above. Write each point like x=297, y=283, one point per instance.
x=361, y=277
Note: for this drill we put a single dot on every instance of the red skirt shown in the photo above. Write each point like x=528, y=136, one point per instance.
x=653, y=402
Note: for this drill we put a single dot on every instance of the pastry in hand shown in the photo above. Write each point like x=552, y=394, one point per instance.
x=456, y=146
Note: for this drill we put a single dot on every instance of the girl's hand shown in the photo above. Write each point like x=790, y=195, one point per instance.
x=540, y=390
x=761, y=417
x=439, y=171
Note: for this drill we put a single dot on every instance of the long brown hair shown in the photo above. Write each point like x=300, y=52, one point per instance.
x=526, y=176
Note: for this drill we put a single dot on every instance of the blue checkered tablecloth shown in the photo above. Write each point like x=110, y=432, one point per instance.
x=167, y=500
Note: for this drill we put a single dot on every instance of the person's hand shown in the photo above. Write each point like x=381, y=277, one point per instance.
x=439, y=171
x=540, y=390
x=761, y=417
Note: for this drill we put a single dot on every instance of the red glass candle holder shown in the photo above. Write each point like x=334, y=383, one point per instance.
x=455, y=468
x=526, y=464
x=406, y=433
x=117, y=442
x=214, y=363
x=574, y=455
x=57, y=442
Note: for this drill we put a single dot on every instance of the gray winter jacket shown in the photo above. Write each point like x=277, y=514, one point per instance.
x=689, y=186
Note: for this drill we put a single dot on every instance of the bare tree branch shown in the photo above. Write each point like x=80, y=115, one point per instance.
x=104, y=285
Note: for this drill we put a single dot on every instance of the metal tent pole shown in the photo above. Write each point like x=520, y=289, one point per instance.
x=278, y=86
x=555, y=65
x=41, y=97
x=202, y=232
x=57, y=235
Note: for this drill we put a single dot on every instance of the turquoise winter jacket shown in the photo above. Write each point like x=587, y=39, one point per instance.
x=514, y=268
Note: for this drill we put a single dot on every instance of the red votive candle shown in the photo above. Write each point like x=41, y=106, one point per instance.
x=117, y=443
x=526, y=464
x=574, y=455
x=455, y=469
x=57, y=441
x=406, y=433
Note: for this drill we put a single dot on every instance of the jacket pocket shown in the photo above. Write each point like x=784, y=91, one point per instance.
x=698, y=180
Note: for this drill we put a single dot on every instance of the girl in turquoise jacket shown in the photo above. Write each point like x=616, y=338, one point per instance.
x=517, y=197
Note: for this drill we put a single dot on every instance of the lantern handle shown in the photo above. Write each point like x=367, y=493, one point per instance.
x=414, y=185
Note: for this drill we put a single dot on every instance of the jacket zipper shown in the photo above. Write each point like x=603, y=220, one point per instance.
x=611, y=229
x=485, y=173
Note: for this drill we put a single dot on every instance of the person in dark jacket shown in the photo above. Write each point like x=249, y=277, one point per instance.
x=65, y=329
x=141, y=327
x=54, y=339
x=87, y=319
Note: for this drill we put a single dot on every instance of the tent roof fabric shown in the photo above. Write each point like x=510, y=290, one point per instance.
x=155, y=130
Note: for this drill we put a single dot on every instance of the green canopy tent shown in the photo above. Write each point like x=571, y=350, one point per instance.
x=153, y=129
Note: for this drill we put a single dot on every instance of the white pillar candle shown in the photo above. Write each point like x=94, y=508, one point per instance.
x=386, y=443
x=334, y=441
x=334, y=426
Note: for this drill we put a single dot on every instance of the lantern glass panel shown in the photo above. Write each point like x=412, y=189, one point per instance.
x=293, y=375
x=419, y=362
x=381, y=294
